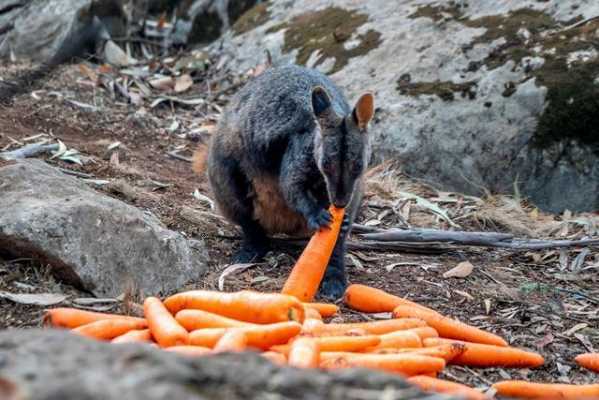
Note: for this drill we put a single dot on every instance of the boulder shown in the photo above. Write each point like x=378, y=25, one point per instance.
x=476, y=97
x=44, y=365
x=91, y=240
x=45, y=30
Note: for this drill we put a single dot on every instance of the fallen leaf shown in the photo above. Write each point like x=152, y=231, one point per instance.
x=37, y=299
x=575, y=329
x=164, y=83
x=464, y=294
x=86, y=301
x=182, y=83
x=260, y=279
x=488, y=306
x=462, y=270
x=547, y=339
x=230, y=270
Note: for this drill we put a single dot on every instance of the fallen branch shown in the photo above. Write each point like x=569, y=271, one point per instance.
x=29, y=150
x=178, y=156
x=418, y=248
x=481, y=239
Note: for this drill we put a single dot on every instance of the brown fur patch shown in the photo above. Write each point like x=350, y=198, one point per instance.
x=271, y=210
x=198, y=163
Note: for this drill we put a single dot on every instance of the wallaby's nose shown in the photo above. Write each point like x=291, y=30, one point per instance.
x=339, y=203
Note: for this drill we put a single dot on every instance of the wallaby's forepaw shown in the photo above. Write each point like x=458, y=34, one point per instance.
x=320, y=219
x=249, y=253
x=333, y=286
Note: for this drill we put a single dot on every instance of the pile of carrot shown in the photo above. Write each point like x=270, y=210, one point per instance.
x=289, y=329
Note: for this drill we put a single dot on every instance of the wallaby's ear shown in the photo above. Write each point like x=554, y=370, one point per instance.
x=321, y=102
x=364, y=110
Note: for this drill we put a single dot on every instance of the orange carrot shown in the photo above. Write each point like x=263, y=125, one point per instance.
x=163, y=326
x=70, y=318
x=198, y=319
x=429, y=384
x=312, y=313
x=404, y=364
x=447, y=351
x=274, y=357
x=188, y=350
x=108, y=329
x=305, y=277
x=304, y=353
x=398, y=339
x=486, y=355
x=532, y=390
x=260, y=336
x=207, y=337
x=374, y=327
x=134, y=336
x=370, y=300
x=589, y=361
x=424, y=332
x=233, y=340
x=326, y=310
x=336, y=343
x=449, y=328
x=245, y=305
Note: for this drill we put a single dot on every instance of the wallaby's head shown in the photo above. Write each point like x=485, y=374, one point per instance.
x=341, y=144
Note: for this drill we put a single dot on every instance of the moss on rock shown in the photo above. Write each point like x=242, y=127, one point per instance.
x=445, y=90
x=572, y=111
x=252, y=18
x=326, y=32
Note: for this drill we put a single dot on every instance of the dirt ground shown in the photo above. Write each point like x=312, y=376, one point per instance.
x=533, y=299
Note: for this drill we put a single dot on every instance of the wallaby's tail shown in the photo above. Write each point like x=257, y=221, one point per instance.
x=199, y=159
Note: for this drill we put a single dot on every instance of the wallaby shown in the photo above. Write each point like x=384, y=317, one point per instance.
x=286, y=147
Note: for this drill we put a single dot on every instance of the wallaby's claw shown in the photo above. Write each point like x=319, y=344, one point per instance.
x=320, y=219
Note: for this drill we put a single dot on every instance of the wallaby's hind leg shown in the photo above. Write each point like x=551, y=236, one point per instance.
x=230, y=188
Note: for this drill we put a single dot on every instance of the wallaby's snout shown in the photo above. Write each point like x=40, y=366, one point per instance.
x=341, y=144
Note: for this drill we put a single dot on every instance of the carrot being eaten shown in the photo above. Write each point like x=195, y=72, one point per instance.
x=307, y=273
x=430, y=384
x=588, y=361
x=371, y=300
x=64, y=317
x=163, y=326
x=484, y=355
x=108, y=329
x=304, y=353
x=449, y=328
x=532, y=390
x=245, y=305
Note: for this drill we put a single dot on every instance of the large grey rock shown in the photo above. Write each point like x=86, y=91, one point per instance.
x=473, y=96
x=44, y=365
x=39, y=29
x=90, y=239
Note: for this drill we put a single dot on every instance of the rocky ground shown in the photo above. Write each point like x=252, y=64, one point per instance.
x=137, y=150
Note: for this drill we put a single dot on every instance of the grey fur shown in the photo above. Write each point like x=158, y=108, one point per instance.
x=291, y=126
